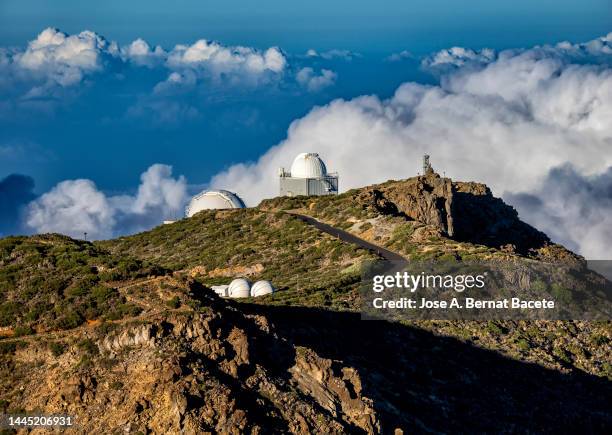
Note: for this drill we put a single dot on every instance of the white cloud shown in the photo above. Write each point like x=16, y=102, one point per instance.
x=175, y=82
x=506, y=124
x=459, y=57
x=599, y=48
x=64, y=59
x=396, y=57
x=333, y=54
x=54, y=62
x=158, y=190
x=216, y=59
x=74, y=207
x=313, y=82
x=140, y=52
x=571, y=208
x=596, y=51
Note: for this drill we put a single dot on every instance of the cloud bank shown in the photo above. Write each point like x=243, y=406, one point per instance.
x=506, y=119
x=571, y=207
x=75, y=207
x=534, y=124
x=55, y=63
x=597, y=51
x=315, y=82
x=56, y=68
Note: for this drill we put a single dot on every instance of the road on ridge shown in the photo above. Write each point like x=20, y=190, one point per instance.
x=350, y=238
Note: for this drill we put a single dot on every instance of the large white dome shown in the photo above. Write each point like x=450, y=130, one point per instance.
x=213, y=199
x=239, y=288
x=308, y=165
x=261, y=288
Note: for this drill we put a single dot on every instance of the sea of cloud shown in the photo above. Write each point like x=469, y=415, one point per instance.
x=534, y=124
x=508, y=119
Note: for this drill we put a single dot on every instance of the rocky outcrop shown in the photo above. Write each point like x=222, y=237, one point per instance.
x=463, y=211
x=426, y=199
x=225, y=367
x=337, y=389
x=215, y=371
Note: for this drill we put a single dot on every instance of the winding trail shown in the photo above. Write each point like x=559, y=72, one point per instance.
x=351, y=238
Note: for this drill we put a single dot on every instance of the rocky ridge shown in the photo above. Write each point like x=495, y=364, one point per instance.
x=298, y=361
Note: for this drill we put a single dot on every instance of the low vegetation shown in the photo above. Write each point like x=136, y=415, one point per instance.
x=52, y=282
x=55, y=282
x=216, y=246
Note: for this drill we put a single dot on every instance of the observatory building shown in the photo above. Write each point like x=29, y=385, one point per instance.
x=241, y=288
x=308, y=176
x=212, y=200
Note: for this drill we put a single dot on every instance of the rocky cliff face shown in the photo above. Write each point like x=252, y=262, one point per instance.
x=463, y=211
x=222, y=367
x=215, y=370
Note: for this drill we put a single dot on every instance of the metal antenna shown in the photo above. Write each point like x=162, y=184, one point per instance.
x=426, y=165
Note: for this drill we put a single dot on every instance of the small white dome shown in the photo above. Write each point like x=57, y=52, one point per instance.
x=261, y=288
x=221, y=290
x=239, y=288
x=212, y=200
x=308, y=165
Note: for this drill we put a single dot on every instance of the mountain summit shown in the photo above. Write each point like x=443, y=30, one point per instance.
x=127, y=335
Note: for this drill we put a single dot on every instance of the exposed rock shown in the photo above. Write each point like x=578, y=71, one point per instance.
x=463, y=211
x=337, y=391
x=141, y=335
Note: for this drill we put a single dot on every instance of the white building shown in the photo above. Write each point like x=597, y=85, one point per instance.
x=261, y=288
x=241, y=288
x=212, y=200
x=308, y=176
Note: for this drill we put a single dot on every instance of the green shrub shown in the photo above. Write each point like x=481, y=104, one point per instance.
x=562, y=355
x=7, y=348
x=561, y=294
x=20, y=331
x=8, y=313
x=175, y=302
x=523, y=344
x=88, y=346
x=71, y=319
x=116, y=385
x=494, y=329
x=57, y=348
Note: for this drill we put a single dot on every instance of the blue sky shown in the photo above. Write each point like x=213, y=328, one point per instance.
x=76, y=143
x=388, y=25
x=110, y=112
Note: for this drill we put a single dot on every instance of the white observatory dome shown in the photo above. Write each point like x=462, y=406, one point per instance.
x=261, y=288
x=213, y=199
x=308, y=165
x=239, y=288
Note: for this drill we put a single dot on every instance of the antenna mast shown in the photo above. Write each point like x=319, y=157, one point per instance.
x=427, y=169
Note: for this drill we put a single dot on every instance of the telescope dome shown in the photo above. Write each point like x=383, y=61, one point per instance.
x=261, y=288
x=212, y=200
x=239, y=288
x=308, y=165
